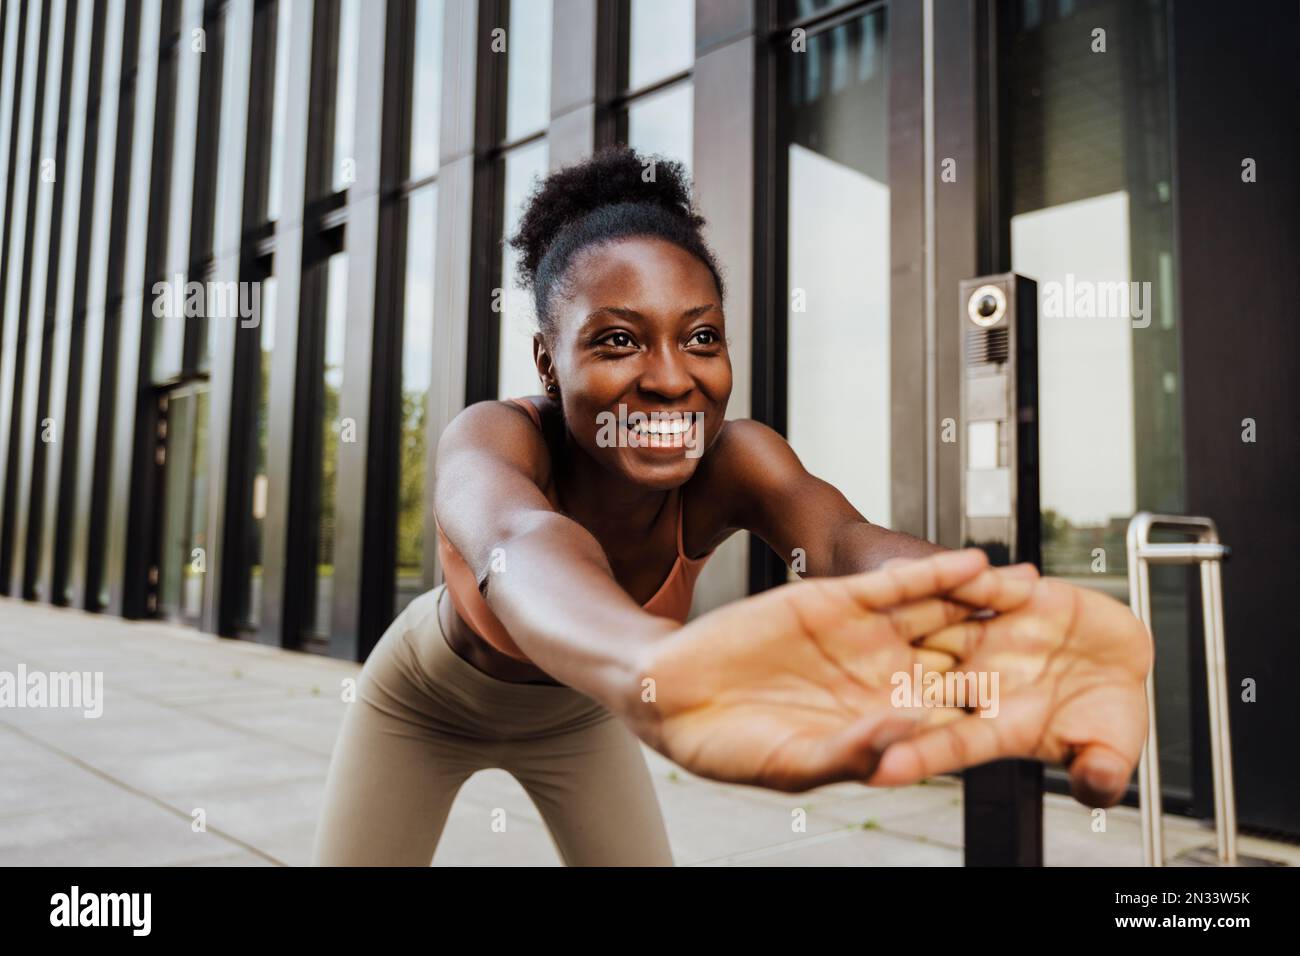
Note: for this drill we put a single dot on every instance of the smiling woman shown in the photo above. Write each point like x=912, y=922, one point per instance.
x=572, y=527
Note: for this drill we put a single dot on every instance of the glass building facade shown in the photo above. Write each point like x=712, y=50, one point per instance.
x=252, y=265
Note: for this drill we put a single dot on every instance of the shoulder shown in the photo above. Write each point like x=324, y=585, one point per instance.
x=499, y=430
x=748, y=451
x=748, y=464
x=483, y=419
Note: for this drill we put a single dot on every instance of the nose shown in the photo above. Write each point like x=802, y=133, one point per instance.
x=666, y=375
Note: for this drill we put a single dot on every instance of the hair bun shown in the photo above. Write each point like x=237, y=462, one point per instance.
x=614, y=175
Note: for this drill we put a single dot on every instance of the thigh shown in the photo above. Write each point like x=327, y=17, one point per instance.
x=594, y=791
x=396, y=768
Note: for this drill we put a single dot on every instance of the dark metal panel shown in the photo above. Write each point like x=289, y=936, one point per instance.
x=957, y=130
x=486, y=218
x=129, y=540
x=126, y=152
x=771, y=254
x=283, y=381
x=907, y=267
x=252, y=84
x=16, y=475
x=1238, y=250
x=379, y=547
x=364, y=459
x=8, y=330
x=611, y=41
x=723, y=166
x=116, y=150
x=224, y=481
x=73, y=463
x=38, y=555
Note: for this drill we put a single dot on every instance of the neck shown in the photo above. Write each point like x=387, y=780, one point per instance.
x=604, y=500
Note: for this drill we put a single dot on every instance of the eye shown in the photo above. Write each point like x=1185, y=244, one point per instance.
x=619, y=340
x=704, y=337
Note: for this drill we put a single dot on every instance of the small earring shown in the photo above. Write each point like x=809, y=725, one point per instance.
x=552, y=389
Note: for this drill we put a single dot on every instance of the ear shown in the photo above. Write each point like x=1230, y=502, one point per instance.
x=542, y=359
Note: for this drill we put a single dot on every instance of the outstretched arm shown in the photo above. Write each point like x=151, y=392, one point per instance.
x=557, y=596
x=1070, y=662
x=796, y=513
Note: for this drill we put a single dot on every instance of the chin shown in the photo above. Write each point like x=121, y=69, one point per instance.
x=662, y=475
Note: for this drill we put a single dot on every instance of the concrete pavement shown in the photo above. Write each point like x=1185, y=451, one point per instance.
x=239, y=736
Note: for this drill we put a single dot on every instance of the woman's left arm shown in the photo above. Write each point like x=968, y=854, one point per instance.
x=797, y=514
x=1070, y=662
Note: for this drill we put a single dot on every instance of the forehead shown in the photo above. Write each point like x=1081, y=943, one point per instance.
x=640, y=272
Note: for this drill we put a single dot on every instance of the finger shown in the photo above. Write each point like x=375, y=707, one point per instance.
x=1105, y=734
x=967, y=741
x=1024, y=569
x=960, y=640
x=1099, y=776
x=996, y=589
x=934, y=661
x=924, y=577
x=917, y=618
x=848, y=754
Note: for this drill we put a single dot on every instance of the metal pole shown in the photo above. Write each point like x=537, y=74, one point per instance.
x=1209, y=554
x=1225, y=807
x=1149, y=794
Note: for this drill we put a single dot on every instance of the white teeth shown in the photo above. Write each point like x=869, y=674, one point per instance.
x=672, y=426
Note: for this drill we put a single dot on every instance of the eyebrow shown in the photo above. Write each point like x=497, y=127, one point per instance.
x=635, y=316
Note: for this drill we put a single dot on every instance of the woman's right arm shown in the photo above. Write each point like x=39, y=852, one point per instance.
x=555, y=592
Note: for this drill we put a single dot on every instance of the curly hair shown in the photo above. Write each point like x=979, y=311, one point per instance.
x=615, y=194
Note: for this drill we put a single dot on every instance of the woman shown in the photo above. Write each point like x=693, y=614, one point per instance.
x=572, y=528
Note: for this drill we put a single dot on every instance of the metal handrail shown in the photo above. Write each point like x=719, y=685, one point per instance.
x=1209, y=553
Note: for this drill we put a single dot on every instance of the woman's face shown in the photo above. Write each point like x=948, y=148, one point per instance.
x=639, y=353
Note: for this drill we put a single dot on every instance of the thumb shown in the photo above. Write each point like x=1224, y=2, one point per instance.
x=1099, y=775
x=856, y=750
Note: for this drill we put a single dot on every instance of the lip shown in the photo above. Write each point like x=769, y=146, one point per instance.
x=666, y=442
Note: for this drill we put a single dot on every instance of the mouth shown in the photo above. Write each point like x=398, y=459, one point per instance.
x=665, y=430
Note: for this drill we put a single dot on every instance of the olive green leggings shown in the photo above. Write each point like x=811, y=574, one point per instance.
x=425, y=719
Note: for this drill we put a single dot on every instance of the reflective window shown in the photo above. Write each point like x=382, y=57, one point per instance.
x=250, y=612
x=528, y=48
x=279, y=108
x=837, y=309
x=1092, y=221
x=517, y=375
x=417, y=372
x=661, y=40
x=168, y=314
x=798, y=9
x=183, y=540
x=663, y=123
x=330, y=422
x=345, y=95
x=426, y=97
x=660, y=44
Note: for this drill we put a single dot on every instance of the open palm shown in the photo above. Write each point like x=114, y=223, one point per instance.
x=1071, y=666
x=791, y=689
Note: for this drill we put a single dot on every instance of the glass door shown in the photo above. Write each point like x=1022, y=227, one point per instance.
x=824, y=336
x=1089, y=181
x=178, y=574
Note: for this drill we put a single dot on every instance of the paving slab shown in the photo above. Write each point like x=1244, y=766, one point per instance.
x=244, y=732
